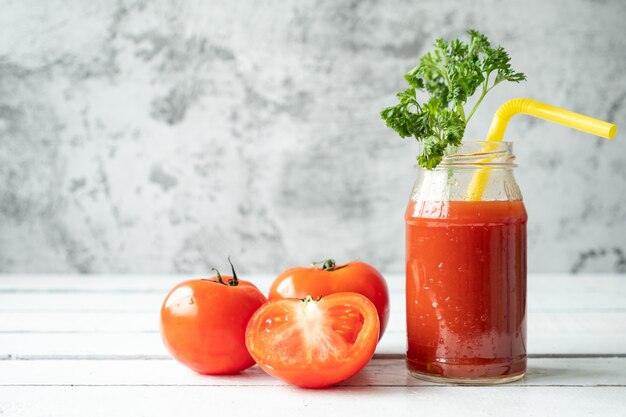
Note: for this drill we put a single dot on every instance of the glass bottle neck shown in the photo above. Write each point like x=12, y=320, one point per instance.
x=455, y=183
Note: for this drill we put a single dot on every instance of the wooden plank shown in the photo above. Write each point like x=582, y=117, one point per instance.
x=90, y=283
x=114, y=323
x=63, y=283
x=549, y=333
x=570, y=321
x=107, y=321
x=138, y=293
x=608, y=295
x=551, y=287
x=85, y=345
x=106, y=334
x=512, y=401
x=576, y=333
x=47, y=302
x=567, y=293
x=74, y=322
x=588, y=372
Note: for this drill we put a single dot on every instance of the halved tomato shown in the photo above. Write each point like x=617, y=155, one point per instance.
x=314, y=343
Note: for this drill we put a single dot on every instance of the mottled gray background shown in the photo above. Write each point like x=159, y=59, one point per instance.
x=161, y=136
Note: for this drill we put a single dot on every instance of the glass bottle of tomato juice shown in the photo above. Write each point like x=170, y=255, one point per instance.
x=466, y=270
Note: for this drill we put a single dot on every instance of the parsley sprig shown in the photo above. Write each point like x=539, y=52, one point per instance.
x=451, y=74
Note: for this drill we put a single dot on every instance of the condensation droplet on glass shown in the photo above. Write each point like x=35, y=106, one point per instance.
x=440, y=265
x=441, y=340
x=483, y=317
x=435, y=304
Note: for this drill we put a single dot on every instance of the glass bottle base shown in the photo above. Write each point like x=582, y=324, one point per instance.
x=467, y=381
x=468, y=371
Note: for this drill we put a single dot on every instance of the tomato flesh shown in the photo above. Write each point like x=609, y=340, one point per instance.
x=314, y=343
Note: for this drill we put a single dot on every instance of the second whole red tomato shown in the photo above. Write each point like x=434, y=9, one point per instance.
x=328, y=278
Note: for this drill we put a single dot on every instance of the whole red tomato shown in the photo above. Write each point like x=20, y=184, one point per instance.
x=203, y=323
x=331, y=278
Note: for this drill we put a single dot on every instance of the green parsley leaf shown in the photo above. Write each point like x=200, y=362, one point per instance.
x=452, y=73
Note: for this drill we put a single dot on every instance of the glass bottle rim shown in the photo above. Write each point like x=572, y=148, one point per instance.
x=480, y=153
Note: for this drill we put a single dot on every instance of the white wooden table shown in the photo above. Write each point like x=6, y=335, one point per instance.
x=89, y=346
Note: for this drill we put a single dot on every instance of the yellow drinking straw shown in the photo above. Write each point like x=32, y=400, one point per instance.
x=543, y=111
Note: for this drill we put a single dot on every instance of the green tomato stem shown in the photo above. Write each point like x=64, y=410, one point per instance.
x=219, y=276
x=233, y=282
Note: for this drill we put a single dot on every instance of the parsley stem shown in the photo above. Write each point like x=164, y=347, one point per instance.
x=483, y=93
x=459, y=108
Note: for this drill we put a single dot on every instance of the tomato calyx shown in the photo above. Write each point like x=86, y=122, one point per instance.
x=309, y=299
x=231, y=283
x=327, y=265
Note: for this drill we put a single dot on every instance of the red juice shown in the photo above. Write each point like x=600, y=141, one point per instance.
x=466, y=290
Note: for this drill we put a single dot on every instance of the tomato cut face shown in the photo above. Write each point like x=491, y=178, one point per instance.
x=313, y=343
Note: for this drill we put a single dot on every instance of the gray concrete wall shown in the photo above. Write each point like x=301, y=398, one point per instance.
x=162, y=136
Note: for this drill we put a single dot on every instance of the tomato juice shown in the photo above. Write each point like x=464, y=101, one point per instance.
x=466, y=290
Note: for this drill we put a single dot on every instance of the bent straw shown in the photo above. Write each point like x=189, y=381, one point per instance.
x=543, y=111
